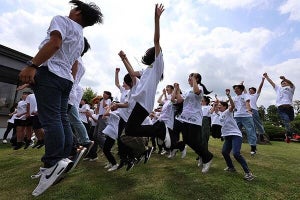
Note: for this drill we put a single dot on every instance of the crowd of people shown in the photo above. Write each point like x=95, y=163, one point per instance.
x=71, y=129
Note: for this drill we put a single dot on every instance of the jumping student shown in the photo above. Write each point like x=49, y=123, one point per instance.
x=233, y=138
x=49, y=72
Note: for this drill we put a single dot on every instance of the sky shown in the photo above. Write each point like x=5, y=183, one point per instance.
x=225, y=41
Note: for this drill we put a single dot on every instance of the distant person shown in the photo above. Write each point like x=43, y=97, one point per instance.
x=50, y=74
x=284, y=103
x=254, y=94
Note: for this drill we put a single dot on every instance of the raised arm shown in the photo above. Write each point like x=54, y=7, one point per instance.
x=117, y=83
x=232, y=105
x=159, y=9
x=176, y=96
x=287, y=81
x=260, y=85
x=160, y=99
x=269, y=80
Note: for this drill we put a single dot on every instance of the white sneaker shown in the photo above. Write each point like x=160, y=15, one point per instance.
x=50, y=175
x=183, y=153
x=113, y=168
x=200, y=163
x=4, y=141
x=163, y=152
x=172, y=153
x=167, y=140
x=108, y=165
x=206, y=166
x=93, y=159
x=78, y=157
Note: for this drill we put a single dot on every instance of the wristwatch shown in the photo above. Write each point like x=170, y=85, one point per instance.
x=31, y=64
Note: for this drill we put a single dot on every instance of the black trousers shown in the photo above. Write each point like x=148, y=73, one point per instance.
x=108, y=144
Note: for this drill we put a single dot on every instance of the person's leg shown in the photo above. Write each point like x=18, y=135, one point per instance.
x=108, y=144
x=134, y=125
x=257, y=122
x=227, y=146
x=9, y=127
x=205, y=130
x=286, y=115
x=52, y=93
x=79, y=129
x=236, y=148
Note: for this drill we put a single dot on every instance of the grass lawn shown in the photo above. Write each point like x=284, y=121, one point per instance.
x=276, y=166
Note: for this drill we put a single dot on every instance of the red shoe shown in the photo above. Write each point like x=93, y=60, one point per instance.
x=287, y=139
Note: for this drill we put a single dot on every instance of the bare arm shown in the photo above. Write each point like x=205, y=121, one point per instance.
x=260, y=85
x=117, y=83
x=269, y=80
x=232, y=106
x=47, y=51
x=176, y=96
x=287, y=81
x=133, y=74
x=159, y=9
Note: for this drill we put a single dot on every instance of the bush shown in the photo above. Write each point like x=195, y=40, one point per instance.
x=274, y=132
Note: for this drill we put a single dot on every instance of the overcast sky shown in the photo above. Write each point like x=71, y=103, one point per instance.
x=225, y=41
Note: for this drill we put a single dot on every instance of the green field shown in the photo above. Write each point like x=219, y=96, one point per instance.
x=277, y=167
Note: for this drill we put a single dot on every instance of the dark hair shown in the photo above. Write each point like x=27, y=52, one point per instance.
x=198, y=79
x=90, y=12
x=253, y=88
x=149, y=56
x=86, y=46
x=224, y=103
x=27, y=92
x=170, y=86
x=241, y=87
x=109, y=94
x=207, y=99
x=128, y=80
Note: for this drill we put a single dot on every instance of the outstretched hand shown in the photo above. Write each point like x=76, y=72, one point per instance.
x=159, y=9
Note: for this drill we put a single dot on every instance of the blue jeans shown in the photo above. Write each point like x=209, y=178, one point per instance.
x=257, y=122
x=287, y=115
x=234, y=143
x=248, y=124
x=78, y=126
x=52, y=94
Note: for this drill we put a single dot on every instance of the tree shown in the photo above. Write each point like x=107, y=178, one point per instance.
x=262, y=113
x=272, y=115
x=89, y=94
x=296, y=105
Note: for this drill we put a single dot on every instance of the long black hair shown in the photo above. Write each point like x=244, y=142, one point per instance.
x=198, y=79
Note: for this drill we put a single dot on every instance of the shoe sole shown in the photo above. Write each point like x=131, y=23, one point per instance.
x=79, y=158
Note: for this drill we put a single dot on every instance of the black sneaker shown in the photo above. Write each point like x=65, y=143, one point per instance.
x=130, y=165
x=19, y=145
x=38, y=144
x=122, y=164
x=88, y=147
x=148, y=154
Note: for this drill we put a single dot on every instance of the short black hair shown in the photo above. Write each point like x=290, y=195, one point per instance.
x=128, y=80
x=253, y=88
x=149, y=56
x=91, y=13
x=241, y=87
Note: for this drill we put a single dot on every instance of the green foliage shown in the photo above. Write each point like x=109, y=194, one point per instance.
x=274, y=132
x=262, y=113
x=296, y=124
x=272, y=115
x=89, y=94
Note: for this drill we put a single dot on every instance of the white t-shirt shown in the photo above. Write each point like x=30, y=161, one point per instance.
x=206, y=110
x=146, y=88
x=30, y=99
x=101, y=108
x=124, y=95
x=21, y=109
x=71, y=48
x=82, y=112
x=111, y=128
x=229, y=125
x=12, y=119
x=95, y=116
x=240, y=105
x=253, y=100
x=192, y=108
x=284, y=95
x=167, y=114
x=125, y=112
x=215, y=118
